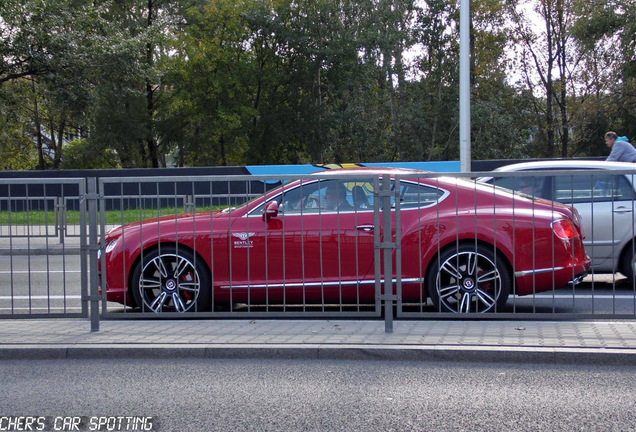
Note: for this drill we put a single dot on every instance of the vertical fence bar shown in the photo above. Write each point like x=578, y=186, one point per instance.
x=93, y=248
x=398, y=246
x=387, y=237
x=61, y=217
x=83, y=258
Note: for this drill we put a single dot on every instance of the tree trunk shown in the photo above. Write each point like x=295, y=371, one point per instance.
x=222, y=146
x=38, y=128
x=562, y=58
x=549, y=84
x=60, y=142
x=318, y=149
x=53, y=141
x=388, y=76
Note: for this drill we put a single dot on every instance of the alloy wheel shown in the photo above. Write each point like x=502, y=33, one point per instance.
x=169, y=281
x=468, y=281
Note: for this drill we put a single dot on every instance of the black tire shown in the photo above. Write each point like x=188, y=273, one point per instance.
x=171, y=279
x=470, y=278
x=628, y=261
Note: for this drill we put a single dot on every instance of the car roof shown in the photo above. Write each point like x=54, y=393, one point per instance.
x=567, y=164
x=370, y=171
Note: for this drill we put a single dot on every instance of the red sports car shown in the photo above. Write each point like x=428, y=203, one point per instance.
x=465, y=246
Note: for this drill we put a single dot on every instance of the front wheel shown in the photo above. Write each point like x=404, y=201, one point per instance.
x=171, y=279
x=470, y=278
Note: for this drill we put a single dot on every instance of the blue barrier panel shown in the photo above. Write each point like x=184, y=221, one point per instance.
x=437, y=166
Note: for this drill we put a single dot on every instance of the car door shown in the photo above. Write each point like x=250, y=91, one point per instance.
x=606, y=205
x=310, y=251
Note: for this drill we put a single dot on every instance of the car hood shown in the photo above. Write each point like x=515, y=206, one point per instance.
x=117, y=231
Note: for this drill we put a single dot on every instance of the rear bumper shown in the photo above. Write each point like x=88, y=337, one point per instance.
x=539, y=280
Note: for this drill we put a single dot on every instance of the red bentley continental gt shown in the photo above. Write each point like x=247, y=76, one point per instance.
x=465, y=246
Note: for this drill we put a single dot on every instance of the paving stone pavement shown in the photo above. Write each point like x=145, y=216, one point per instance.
x=600, y=342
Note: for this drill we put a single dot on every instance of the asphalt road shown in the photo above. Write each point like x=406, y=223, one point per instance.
x=40, y=283
x=51, y=283
x=276, y=395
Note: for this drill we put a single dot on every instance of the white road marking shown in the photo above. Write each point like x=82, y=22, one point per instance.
x=57, y=309
x=575, y=296
x=38, y=271
x=41, y=297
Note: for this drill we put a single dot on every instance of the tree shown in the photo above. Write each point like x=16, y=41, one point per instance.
x=17, y=149
x=45, y=44
x=130, y=84
x=208, y=74
x=605, y=32
x=224, y=82
x=82, y=154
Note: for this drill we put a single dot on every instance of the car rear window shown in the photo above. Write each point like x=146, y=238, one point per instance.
x=414, y=195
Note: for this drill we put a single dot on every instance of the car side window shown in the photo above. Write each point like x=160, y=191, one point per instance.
x=595, y=188
x=414, y=195
x=328, y=196
x=533, y=185
x=323, y=196
x=352, y=196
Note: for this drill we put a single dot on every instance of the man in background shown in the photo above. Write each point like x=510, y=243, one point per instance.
x=622, y=149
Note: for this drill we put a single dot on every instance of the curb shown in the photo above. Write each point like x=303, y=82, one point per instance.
x=432, y=353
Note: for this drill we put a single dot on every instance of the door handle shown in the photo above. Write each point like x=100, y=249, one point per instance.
x=622, y=209
x=365, y=228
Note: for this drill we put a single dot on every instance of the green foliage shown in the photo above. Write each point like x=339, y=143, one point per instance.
x=232, y=82
x=607, y=34
x=82, y=154
x=17, y=149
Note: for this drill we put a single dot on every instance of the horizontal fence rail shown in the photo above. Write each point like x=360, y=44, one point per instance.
x=552, y=245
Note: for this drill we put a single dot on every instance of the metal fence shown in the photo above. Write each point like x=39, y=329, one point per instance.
x=40, y=274
x=328, y=245
x=250, y=261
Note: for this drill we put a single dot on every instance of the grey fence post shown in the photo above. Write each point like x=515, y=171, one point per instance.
x=189, y=206
x=60, y=217
x=387, y=246
x=93, y=248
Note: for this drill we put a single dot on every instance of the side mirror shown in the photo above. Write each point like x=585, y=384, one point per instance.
x=271, y=211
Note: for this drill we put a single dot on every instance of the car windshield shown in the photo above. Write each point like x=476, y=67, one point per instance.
x=250, y=201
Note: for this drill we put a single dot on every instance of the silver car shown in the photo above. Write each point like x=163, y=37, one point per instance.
x=602, y=192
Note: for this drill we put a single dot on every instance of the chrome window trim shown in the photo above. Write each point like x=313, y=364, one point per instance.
x=254, y=213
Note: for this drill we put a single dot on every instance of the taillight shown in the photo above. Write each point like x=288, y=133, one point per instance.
x=578, y=221
x=565, y=229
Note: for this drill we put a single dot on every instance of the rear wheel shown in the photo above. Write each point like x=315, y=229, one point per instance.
x=171, y=279
x=469, y=278
x=628, y=261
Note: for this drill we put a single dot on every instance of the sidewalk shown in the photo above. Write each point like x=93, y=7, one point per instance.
x=528, y=342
